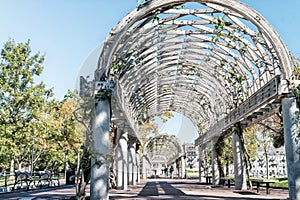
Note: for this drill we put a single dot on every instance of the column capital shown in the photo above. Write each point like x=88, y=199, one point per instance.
x=124, y=135
x=103, y=89
x=132, y=141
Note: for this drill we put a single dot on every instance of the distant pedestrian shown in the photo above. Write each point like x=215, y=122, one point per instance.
x=171, y=171
x=166, y=172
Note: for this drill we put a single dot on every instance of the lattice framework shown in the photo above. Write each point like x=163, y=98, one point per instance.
x=200, y=58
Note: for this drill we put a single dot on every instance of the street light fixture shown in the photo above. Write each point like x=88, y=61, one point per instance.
x=32, y=155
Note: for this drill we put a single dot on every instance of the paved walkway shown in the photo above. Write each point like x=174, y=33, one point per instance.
x=155, y=189
x=189, y=190
x=63, y=192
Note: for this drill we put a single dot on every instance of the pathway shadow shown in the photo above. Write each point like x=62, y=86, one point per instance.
x=150, y=189
x=245, y=192
x=170, y=190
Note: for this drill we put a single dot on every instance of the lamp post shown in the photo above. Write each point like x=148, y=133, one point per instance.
x=32, y=155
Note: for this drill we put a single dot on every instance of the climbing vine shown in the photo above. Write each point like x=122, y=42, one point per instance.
x=296, y=89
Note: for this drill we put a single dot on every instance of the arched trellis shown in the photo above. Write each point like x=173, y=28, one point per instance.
x=164, y=146
x=215, y=54
x=218, y=62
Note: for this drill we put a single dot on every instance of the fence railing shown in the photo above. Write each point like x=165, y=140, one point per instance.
x=6, y=182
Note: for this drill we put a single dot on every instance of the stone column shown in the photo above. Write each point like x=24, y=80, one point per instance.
x=138, y=167
x=200, y=156
x=182, y=167
x=125, y=160
x=134, y=166
x=214, y=164
x=130, y=166
x=239, y=163
x=290, y=113
x=144, y=167
x=100, y=164
x=119, y=167
x=177, y=166
x=122, y=156
x=175, y=170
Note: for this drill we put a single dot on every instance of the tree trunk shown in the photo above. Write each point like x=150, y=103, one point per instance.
x=12, y=168
x=219, y=148
x=84, y=176
x=227, y=168
x=267, y=163
x=66, y=163
x=220, y=167
x=78, y=167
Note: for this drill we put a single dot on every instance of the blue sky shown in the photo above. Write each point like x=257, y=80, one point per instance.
x=69, y=31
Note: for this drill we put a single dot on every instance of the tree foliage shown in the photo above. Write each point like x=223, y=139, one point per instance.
x=33, y=124
x=21, y=100
x=150, y=126
x=250, y=138
x=224, y=154
x=273, y=125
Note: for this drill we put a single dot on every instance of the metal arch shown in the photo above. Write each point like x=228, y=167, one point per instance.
x=220, y=55
x=191, y=87
x=174, y=71
x=183, y=54
x=256, y=55
x=182, y=85
x=232, y=7
x=192, y=105
x=189, y=44
x=167, y=146
x=169, y=138
x=155, y=158
x=171, y=75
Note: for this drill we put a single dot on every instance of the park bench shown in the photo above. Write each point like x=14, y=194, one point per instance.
x=258, y=182
x=26, y=180
x=228, y=180
x=208, y=179
x=46, y=178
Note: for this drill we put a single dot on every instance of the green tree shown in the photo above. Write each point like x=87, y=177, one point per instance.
x=274, y=125
x=52, y=157
x=21, y=99
x=84, y=116
x=71, y=137
x=63, y=138
x=224, y=154
x=250, y=138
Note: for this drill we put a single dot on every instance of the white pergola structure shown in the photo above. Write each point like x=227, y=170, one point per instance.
x=218, y=62
x=164, y=150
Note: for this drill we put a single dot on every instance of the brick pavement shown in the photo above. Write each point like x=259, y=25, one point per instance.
x=155, y=189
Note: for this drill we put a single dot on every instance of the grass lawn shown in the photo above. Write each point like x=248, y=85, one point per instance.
x=282, y=182
x=192, y=175
x=10, y=180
